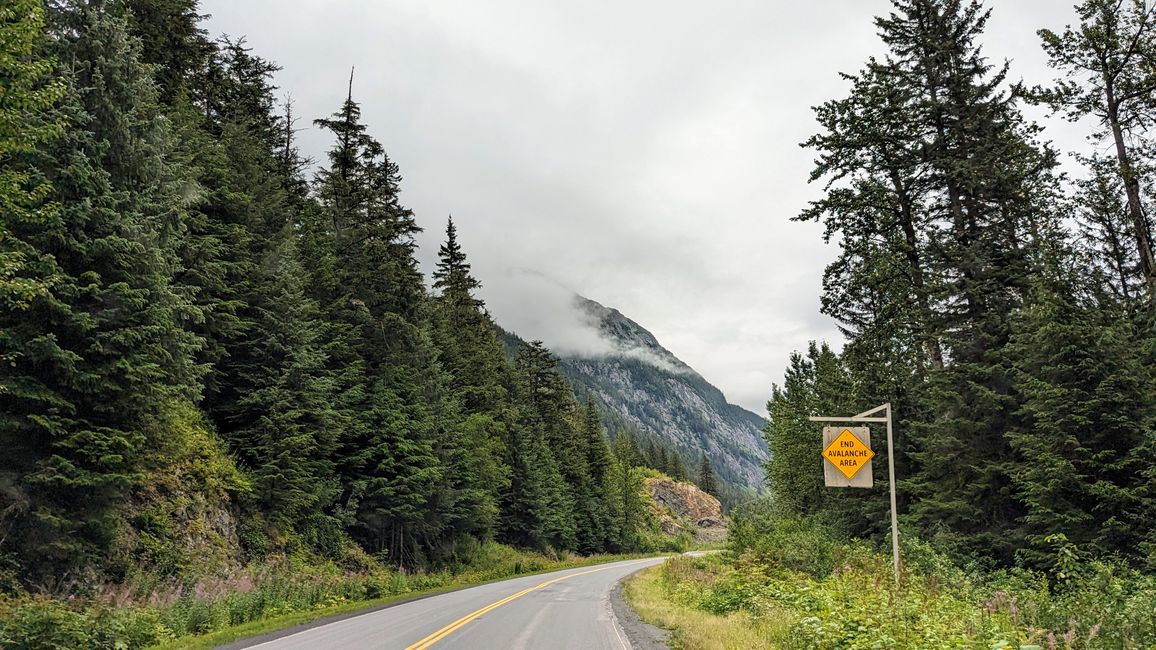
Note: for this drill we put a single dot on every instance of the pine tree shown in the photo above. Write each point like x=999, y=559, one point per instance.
x=394, y=451
x=944, y=217
x=598, y=509
x=172, y=41
x=29, y=120
x=814, y=383
x=478, y=376
x=1104, y=224
x=677, y=466
x=283, y=423
x=466, y=335
x=1086, y=402
x=103, y=351
x=629, y=486
x=539, y=506
x=706, y=479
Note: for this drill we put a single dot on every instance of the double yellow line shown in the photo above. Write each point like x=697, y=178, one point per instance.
x=452, y=627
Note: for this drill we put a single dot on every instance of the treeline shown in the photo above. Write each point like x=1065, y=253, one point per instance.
x=652, y=453
x=1005, y=310
x=180, y=300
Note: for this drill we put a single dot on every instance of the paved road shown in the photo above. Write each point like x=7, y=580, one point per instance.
x=563, y=610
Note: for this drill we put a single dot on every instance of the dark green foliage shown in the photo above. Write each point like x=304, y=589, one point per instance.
x=706, y=479
x=1015, y=356
x=628, y=484
x=1086, y=412
x=29, y=119
x=538, y=507
x=174, y=43
x=103, y=350
x=206, y=358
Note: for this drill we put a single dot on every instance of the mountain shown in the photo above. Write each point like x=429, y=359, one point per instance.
x=643, y=385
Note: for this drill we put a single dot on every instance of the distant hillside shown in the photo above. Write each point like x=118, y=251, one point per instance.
x=643, y=385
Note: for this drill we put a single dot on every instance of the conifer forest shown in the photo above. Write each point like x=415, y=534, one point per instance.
x=228, y=392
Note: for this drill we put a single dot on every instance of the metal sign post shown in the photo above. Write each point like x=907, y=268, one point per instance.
x=868, y=417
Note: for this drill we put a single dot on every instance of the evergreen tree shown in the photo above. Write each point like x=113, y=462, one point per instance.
x=283, y=424
x=596, y=503
x=103, y=351
x=394, y=450
x=706, y=479
x=677, y=466
x=945, y=218
x=478, y=380
x=545, y=467
x=29, y=120
x=1086, y=407
x=1104, y=223
x=174, y=43
x=1107, y=64
x=629, y=486
x=814, y=384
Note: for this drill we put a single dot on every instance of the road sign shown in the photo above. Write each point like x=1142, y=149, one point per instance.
x=848, y=454
x=864, y=435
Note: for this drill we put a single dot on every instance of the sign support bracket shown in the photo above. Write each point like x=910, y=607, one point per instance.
x=872, y=416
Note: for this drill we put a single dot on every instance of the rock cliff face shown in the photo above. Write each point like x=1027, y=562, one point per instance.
x=684, y=500
x=643, y=385
x=683, y=507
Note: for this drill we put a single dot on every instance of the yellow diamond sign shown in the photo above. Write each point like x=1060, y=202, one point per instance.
x=848, y=453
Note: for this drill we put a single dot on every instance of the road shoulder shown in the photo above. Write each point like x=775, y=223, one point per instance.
x=640, y=634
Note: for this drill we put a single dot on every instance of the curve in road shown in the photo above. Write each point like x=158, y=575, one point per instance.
x=567, y=610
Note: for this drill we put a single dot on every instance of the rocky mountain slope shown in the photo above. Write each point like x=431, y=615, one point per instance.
x=643, y=385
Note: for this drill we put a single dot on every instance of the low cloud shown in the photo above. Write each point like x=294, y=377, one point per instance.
x=537, y=307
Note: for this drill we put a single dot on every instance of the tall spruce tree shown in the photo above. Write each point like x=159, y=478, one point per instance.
x=628, y=484
x=538, y=508
x=29, y=120
x=1109, y=76
x=1086, y=405
x=398, y=449
x=103, y=351
x=943, y=205
x=815, y=383
x=706, y=478
x=283, y=424
x=478, y=379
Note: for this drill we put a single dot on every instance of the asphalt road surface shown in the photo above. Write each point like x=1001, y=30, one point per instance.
x=563, y=610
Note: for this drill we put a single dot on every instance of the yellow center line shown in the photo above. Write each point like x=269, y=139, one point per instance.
x=449, y=629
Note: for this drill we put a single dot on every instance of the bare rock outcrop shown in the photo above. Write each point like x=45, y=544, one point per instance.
x=684, y=507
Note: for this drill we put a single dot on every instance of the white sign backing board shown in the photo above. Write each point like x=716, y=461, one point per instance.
x=852, y=447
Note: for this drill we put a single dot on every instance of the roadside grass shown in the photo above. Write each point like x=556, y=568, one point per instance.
x=795, y=586
x=693, y=628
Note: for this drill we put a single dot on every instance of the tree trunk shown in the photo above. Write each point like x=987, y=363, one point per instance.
x=1131, y=179
x=907, y=222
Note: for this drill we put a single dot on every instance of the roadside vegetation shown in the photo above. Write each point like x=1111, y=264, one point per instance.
x=194, y=609
x=280, y=592
x=792, y=585
x=1006, y=312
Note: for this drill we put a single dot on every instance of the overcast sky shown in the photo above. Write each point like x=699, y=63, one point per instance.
x=644, y=154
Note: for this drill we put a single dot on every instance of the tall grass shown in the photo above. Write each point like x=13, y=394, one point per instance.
x=798, y=588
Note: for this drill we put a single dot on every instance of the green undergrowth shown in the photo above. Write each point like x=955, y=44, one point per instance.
x=208, y=611
x=795, y=587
